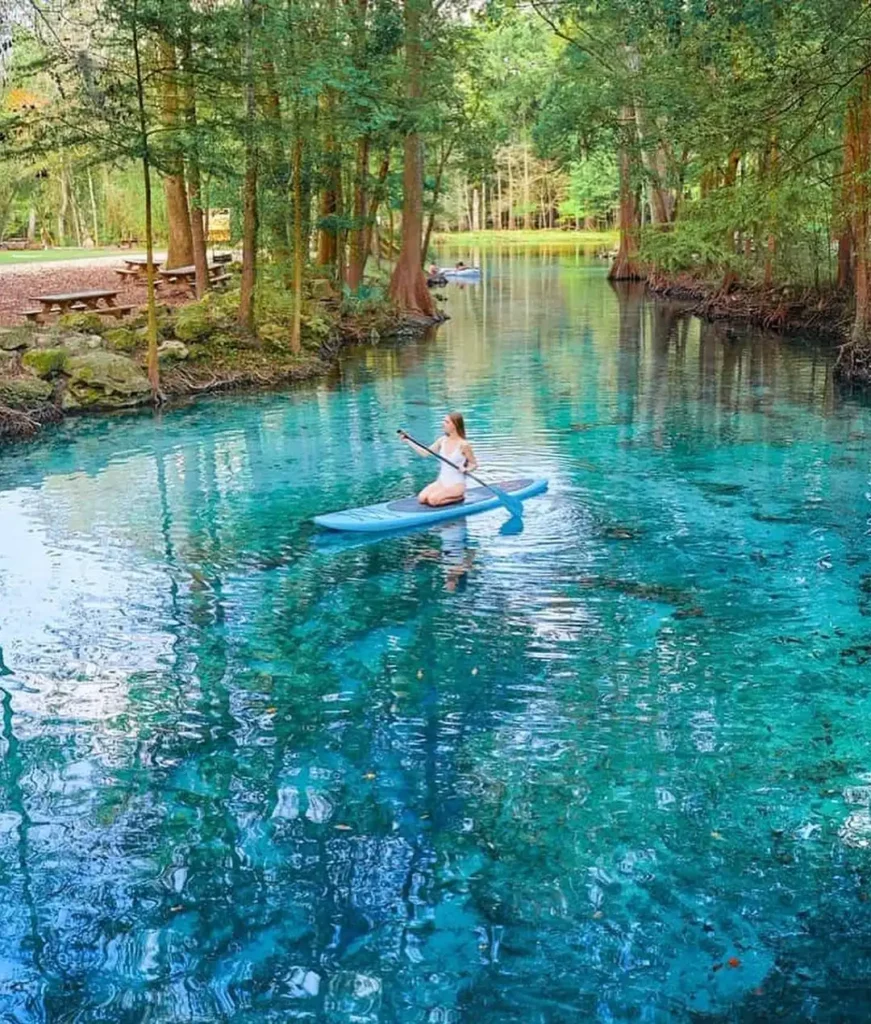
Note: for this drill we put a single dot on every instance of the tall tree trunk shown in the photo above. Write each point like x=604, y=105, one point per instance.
x=859, y=141
x=378, y=194
x=436, y=192
x=527, y=208
x=359, y=249
x=844, y=280
x=771, y=242
x=95, y=224
x=476, y=210
x=329, y=202
x=626, y=266
x=511, y=223
x=180, y=245
x=64, y=204
x=31, y=224
x=497, y=213
x=198, y=230
x=299, y=246
x=151, y=325
x=276, y=218
x=408, y=285
x=249, y=187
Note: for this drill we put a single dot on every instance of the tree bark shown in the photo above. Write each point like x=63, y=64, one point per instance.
x=436, y=192
x=249, y=187
x=408, y=285
x=859, y=142
x=626, y=266
x=527, y=210
x=511, y=223
x=844, y=281
x=330, y=196
x=198, y=230
x=180, y=246
x=94, y=221
x=358, y=248
x=378, y=194
x=151, y=325
x=298, y=244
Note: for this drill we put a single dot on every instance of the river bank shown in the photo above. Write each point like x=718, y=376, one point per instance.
x=84, y=365
x=788, y=310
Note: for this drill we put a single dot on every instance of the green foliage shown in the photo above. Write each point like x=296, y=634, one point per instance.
x=45, y=362
x=198, y=321
x=89, y=323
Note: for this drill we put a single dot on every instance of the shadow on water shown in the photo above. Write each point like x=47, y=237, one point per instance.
x=595, y=769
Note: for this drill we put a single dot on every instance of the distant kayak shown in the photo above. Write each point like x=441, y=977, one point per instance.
x=450, y=272
x=405, y=512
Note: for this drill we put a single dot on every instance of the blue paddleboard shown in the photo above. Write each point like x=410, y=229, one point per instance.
x=398, y=515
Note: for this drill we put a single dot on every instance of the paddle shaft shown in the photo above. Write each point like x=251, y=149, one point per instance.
x=513, y=506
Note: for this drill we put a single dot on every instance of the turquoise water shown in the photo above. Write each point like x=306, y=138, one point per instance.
x=612, y=768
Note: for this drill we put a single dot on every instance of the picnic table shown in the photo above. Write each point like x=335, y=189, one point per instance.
x=90, y=300
x=140, y=262
x=188, y=275
x=76, y=301
x=136, y=267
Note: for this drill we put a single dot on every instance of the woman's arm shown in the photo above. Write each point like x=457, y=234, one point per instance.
x=419, y=449
x=471, y=461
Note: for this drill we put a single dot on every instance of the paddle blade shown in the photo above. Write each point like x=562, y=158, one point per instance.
x=511, y=527
x=514, y=506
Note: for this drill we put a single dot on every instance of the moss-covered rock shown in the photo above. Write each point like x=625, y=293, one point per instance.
x=194, y=322
x=104, y=380
x=24, y=392
x=123, y=339
x=14, y=338
x=172, y=351
x=90, y=323
x=45, y=362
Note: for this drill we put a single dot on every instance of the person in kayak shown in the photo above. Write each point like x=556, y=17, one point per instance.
x=450, y=485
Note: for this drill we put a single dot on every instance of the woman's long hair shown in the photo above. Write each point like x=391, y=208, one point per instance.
x=457, y=419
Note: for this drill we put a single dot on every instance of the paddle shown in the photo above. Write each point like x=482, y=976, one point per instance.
x=514, y=506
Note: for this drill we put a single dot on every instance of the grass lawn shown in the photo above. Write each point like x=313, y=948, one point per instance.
x=49, y=255
x=526, y=238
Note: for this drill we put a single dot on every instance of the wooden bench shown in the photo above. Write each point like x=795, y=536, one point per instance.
x=116, y=311
x=220, y=278
x=123, y=272
x=31, y=315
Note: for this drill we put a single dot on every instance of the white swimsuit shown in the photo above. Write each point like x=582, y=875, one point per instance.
x=449, y=476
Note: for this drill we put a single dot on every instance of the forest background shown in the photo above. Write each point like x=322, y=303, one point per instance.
x=726, y=140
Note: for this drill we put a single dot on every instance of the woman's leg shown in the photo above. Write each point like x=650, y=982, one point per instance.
x=439, y=494
x=424, y=495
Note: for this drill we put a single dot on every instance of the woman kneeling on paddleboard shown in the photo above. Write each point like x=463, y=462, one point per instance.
x=450, y=486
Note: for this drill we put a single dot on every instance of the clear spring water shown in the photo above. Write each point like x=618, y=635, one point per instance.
x=613, y=768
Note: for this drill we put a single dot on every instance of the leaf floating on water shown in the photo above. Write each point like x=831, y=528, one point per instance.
x=717, y=835
x=343, y=828
x=271, y=711
x=369, y=776
x=733, y=961
x=420, y=673
x=474, y=671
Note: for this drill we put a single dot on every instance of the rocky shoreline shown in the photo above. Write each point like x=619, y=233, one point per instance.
x=82, y=365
